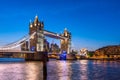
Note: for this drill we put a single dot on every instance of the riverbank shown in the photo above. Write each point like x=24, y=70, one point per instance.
x=98, y=58
x=12, y=59
x=76, y=57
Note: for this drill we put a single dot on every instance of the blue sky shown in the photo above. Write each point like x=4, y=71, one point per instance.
x=93, y=23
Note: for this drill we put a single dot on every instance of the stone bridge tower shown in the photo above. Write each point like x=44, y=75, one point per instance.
x=37, y=41
x=66, y=43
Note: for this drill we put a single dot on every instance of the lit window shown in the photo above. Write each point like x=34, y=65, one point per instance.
x=35, y=24
x=65, y=33
x=31, y=25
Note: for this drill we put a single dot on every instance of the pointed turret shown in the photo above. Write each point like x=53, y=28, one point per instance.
x=36, y=20
x=65, y=29
x=30, y=24
x=66, y=43
x=66, y=32
x=37, y=43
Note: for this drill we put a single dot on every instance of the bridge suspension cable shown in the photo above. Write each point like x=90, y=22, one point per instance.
x=18, y=43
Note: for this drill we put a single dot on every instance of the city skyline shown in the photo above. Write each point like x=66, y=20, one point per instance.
x=93, y=24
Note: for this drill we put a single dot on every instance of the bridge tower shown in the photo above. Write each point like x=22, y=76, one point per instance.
x=66, y=43
x=37, y=42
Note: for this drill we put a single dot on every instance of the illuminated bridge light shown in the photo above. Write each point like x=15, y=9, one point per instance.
x=63, y=55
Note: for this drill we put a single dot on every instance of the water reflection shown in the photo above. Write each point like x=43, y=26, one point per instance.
x=9, y=71
x=83, y=69
x=61, y=70
x=64, y=70
x=21, y=71
x=34, y=71
x=44, y=70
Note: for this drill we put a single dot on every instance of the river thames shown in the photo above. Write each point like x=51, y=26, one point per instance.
x=61, y=70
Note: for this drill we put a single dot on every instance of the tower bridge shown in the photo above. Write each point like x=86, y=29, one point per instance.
x=34, y=42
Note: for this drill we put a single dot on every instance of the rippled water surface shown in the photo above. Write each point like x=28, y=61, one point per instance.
x=61, y=70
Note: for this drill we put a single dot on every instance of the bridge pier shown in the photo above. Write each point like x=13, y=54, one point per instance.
x=39, y=56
